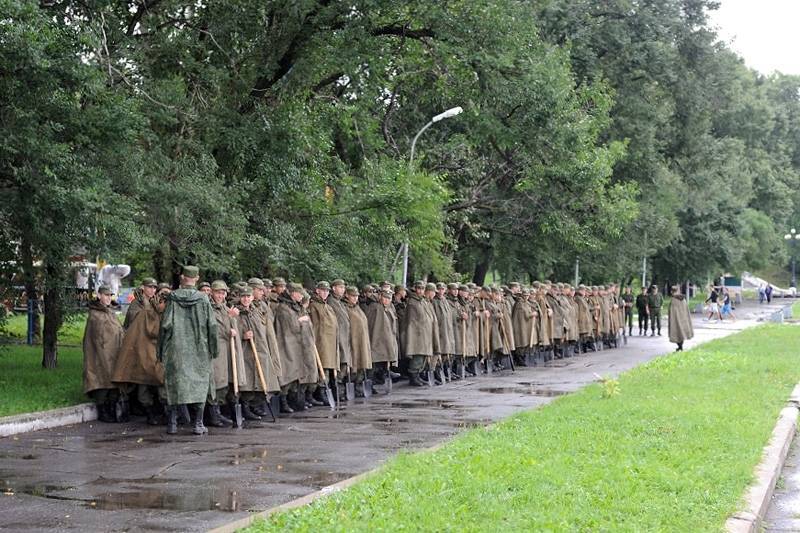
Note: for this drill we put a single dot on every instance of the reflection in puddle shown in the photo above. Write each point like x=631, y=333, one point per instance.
x=523, y=390
x=197, y=499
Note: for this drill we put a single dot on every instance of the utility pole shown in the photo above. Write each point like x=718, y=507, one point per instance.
x=577, y=271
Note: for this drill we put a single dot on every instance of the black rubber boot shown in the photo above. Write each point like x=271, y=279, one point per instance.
x=247, y=414
x=153, y=415
x=313, y=401
x=414, y=381
x=224, y=419
x=105, y=413
x=285, y=408
x=259, y=408
x=214, y=415
x=183, y=415
x=172, y=419
x=199, y=428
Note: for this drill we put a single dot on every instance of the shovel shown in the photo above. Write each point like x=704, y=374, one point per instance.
x=350, y=387
x=238, y=419
x=487, y=358
x=367, y=385
x=463, y=362
x=389, y=383
x=508, y=345
x=431, y=381
x=324, y=379
x=261, y=378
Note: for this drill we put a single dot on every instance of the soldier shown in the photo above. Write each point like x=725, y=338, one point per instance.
x=641, y=308
x=499, y=337
x=102, y=339
x=326, y=335
x=522, y=316
x=137, y=366
x=382, y=324
x=557, y=319
x=296, y=343
x=654, y=301
x=434, y=362
x=571, y=318
x=227, y=332
x=187, y=342
x=399, y=302
x=337, y=301
x=359, y=338
x=680, y=322
x=205, y=288
x=545, y=327
x=595, y=308
x=141, y=299
x=584, y=319
x=419, y=332
x=278, y=291
x=627, y=301
x=265, y=306
x=507, y=325
x=250, y=327
x=467, y=328
x=444, y=319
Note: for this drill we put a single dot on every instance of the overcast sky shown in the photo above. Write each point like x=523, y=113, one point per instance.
x=764, y=32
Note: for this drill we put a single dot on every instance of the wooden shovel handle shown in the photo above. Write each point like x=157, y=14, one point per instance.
x=234, y=369
x=258, y=366
x=319, y=366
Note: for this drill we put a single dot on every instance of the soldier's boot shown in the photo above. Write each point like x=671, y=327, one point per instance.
x=285, y=408
x=298, y=401
x=224, y=419
x=247, y=414
x=414, y=381
x=319, y=395
x=153, y=414
x=105, y=412
x=215, y=417
x=259, y=408
x=313, y=401
x=199, y=428
x=172, y=419
x=122, y=411
x=183, y=415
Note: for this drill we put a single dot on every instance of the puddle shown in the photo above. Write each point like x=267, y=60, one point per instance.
x=523, y=390
x=197, y=499
x=27, y=456
x=415, y=404
x=257, y=455
x=33, y=489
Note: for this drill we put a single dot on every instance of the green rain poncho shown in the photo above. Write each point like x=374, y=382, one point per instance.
x=186, y=345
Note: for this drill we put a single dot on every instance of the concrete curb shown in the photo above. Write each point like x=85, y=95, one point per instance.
x=75, y=414
x=759, y=494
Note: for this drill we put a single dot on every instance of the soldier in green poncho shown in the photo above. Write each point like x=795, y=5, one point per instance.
x=186, y=345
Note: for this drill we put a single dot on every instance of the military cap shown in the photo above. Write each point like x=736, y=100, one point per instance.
x=337, y=281
x=367, y=288
x=582, y=286
x=514, y=284
x=351, y=290
x=163, y=285
x=387, y=293
x=267, y=282
x=430, y=287
x=203, y=284
x=504, y=287
x=294, y=287
x=452, y=285
x=149, y=282
x=440, y=285
x=595, y=288
x=471, y=286
x=537, y=284
x=496, y=290
x=255, y=282
x=601, y=287
x=104, y=290
x=306, y=296
x=219, y=285
x=245, y=291
x=419, y=284
x=190, y=271
x=374, y=286
x=486, y=288
x=398, y=288
x=324, y=285
x=463, y=287
x=386, y=284
x=279, y=282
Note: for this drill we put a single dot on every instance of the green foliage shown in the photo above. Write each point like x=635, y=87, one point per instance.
x=674, y=452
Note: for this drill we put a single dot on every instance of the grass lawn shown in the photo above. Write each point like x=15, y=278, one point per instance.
x=673, y=451
x=71, y=333
x=26, y=387
x=796, y=310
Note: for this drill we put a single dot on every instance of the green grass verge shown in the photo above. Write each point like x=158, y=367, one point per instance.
x=71, y=332
x=26, y=387
x=673, y=451
x=796, y=310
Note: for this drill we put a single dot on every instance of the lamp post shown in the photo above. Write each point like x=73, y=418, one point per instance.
x=453, y=111
x=792, y=237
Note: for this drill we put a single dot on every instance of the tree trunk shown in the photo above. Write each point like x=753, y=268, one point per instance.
x=53, y=314
x=158, y=264
x=29, y=281
x=486, y=254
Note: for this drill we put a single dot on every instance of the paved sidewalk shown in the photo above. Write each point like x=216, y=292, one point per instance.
x=131, y=477
x=784, y=510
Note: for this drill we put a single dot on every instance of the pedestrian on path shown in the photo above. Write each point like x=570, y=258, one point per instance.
x=727, y=307
x=680, y=323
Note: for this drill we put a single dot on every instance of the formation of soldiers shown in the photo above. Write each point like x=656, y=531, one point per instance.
x=265, y=347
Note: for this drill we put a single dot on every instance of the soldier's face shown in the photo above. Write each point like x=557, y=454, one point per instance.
x=149, y=291
x=440, y=292
x=105, y=299
x=246, y=299
x=258, y=293
x=338, y=290
x=386, y=300
x=296, y=296
x=352, y=299
x=219, y=296
x=453, y=292
x=429, y=294
x=206, y=290
x=280, y=289
x=463, y=294
x=323, y=293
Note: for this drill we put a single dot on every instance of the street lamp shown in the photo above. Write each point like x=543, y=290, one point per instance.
x=792, y=237
x=453, y=111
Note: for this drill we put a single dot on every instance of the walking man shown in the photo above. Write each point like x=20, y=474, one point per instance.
x=642, y=310
x=654, y=302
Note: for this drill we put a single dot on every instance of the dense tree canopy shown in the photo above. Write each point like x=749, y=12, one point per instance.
x=273, y=138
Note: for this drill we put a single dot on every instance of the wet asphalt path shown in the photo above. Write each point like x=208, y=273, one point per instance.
x=132, y=477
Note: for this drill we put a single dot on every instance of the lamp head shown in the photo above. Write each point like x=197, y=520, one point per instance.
x=447, y=114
